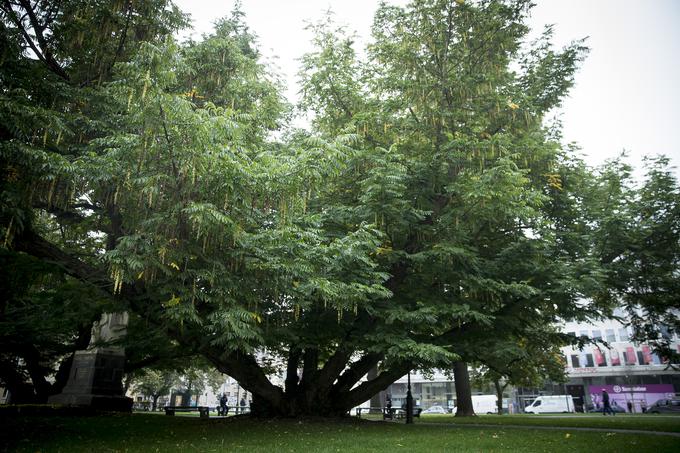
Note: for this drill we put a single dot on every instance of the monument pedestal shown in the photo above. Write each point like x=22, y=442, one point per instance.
x=96, y=377
x=95, y=381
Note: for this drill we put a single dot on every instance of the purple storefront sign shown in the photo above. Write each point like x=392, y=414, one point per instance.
x=632, y=398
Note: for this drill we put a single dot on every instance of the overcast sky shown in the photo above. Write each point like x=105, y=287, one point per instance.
x=627, y=93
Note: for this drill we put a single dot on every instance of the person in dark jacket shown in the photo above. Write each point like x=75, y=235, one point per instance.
x=606, y=407
x=224, y=409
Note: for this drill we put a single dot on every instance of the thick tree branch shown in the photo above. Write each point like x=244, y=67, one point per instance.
x=355, y=372
x=365, y=390
x=292, y=370
x=43, y=52
x=245, y=369
x=35, y=245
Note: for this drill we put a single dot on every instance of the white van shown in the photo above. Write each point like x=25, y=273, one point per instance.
x=553, y=403
x=485, y=404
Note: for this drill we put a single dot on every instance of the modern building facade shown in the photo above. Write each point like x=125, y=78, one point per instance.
x=633, y=375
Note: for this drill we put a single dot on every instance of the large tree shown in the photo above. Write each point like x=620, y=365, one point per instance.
x=412, y=220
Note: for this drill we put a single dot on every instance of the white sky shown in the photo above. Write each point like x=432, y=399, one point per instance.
x=627, y=93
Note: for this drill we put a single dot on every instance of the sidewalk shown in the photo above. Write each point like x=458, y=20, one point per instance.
x=560, y=428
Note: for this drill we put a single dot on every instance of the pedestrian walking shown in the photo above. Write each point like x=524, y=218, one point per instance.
x=606, y=407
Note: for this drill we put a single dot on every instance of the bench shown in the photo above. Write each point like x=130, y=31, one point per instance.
x=237, y=410
x=390, y=413
x=204, y=411
x=401, y=413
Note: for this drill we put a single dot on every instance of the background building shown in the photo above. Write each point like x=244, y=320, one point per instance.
x=633, y=375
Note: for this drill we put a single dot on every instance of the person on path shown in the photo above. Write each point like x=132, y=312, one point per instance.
x=606, y=407
x=224, y=410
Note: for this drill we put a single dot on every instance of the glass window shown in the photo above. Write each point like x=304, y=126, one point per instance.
x=597, y=335
x=583, y=333
x=611, y=336
x=574, y=361
x=589, y=360
x=623, y=334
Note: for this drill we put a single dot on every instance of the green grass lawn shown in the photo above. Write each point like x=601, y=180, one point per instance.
x=151, y=433
x=648, y=422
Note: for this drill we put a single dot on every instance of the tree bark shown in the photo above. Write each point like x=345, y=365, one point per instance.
x=499, y=395
x=292, y=377
x=463, y=390
x=365, y=390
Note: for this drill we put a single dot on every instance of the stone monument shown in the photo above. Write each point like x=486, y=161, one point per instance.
x=96, y=376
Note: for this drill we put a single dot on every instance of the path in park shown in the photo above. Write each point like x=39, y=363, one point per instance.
x=562, y=428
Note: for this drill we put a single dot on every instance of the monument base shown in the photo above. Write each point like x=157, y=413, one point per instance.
x=97, y=402
x=95, y=381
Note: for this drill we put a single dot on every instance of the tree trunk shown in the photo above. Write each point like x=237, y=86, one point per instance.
x=20, y=392
x=463, y=390
x=330, y=390
x=499, y=396
x=154, y=403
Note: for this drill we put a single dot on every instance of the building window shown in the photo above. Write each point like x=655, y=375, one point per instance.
x=589, y=361
x=597, y=335
x=611, y=336
x=574, y=361
x=623, y=334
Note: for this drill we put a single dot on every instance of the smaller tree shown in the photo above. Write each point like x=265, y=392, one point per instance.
x=522, y=362
x=637, y=239
x=194, y=380
x=155, y=383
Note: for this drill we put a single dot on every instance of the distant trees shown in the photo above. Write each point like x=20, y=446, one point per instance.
x=191, y=379
x=155, y=383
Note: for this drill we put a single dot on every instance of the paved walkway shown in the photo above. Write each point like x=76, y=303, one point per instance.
x=561, y=428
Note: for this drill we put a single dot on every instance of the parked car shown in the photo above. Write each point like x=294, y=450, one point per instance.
x=551, y=404
x=615, y=408
x=665, y=407
x=435, y=410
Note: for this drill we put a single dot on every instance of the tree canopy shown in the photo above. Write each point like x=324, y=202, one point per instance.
x=429, y=205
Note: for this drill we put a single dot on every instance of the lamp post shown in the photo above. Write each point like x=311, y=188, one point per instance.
x=409, y=401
